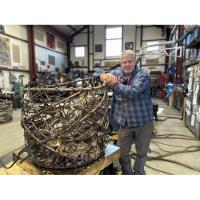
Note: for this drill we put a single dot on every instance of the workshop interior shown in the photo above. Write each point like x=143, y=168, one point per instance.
x=55, y=114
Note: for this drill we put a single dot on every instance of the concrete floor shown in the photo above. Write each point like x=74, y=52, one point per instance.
x=11, y=138
x=177, y=130
x=11, y=134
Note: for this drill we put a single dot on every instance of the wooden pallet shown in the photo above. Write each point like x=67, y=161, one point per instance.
x=112, y=153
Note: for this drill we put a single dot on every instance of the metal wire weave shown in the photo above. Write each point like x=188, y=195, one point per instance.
x=66, y=124
x=5, y=111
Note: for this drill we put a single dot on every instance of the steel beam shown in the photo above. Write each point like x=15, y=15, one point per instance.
x=72, y=28
x=88, y=42
x=55, y=31
x=31, y=49
x=79, y=31
x=179, y=63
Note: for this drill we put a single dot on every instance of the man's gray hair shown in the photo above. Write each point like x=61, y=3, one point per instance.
x=128, y=53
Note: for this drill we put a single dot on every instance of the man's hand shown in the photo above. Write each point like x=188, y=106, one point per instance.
x=108, y=78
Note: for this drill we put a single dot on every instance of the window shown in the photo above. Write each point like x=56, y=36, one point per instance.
x=79, y=51
x=153, y=48
x=113, y=41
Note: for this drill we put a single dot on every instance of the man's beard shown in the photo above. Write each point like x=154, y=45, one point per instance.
x=127, y=72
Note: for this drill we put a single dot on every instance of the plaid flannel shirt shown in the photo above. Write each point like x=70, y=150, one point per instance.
x=131, y=103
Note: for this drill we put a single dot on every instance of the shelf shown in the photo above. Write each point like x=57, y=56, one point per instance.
x=79, y=67
x=103, y=66
x=13, y=70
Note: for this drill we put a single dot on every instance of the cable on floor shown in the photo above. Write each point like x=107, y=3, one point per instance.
x=167, y=160
x=169, y=153
x=169, y=135
x=179, y=163
x=133, y=157
x=168, y=144
x=161, y=157
x=168, y=117
x=185, y=148
x=158, y=170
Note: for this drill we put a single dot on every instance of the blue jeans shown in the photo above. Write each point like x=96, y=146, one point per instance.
x=141, y=136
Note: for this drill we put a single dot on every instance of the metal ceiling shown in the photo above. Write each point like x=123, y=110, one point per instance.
x=68, y=30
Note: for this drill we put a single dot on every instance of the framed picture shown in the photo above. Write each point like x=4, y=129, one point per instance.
x=5, y=57
x=2, y=30
x=42, y=62
x=98, y=47
x=16, y=53
x=129, y=45
x=51, y=60
x=76, y=64
x=50, y=41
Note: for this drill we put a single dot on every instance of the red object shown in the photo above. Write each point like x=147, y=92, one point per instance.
x=50, y=41
x=163, y=79
x=161, y=94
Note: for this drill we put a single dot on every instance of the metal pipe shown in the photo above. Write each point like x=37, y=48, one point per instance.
x=68, y=55
x=174, y=29
x=31, y=48
x=88, y=42
x=38, y=89
x=159, y=44
x=141, y=38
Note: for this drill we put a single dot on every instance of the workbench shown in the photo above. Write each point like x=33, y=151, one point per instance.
x=112, y=153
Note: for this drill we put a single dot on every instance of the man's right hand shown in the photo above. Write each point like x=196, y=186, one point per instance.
x=108, y=78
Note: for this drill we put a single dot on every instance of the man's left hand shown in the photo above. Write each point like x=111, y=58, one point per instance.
x=109, y=79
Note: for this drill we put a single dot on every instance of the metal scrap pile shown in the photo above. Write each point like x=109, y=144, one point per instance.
x=66, y=125
x=5, y=111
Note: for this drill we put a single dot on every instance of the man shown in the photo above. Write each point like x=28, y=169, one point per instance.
x=132, y=110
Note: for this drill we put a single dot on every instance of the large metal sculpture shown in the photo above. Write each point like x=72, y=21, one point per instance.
x=66, y=125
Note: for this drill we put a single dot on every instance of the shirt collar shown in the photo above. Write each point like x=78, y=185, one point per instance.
x=133, y=72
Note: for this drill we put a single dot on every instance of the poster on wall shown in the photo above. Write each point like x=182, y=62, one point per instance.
x=50, y=41
x=2, y=30
x=51, y=60
x=60, y=45
x=39, y=36
x=98, y=47
x=129, y=46
x=5, y=59
x=16, y=53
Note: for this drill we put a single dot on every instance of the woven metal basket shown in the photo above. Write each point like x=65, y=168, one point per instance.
x=66, y=125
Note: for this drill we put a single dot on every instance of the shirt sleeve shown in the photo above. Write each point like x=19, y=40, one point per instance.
x=140, y=83
x=99, y=72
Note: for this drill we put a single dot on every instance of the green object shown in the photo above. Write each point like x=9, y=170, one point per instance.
x=18, y=93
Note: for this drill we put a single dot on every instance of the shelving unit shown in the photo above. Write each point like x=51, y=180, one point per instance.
x=192, y=77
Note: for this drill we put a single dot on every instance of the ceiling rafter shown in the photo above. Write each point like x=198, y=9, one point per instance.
x=72, y=28
x=55, y=31
x=79, y=31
